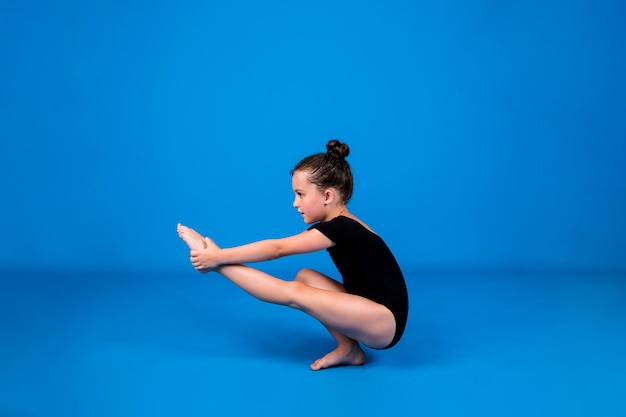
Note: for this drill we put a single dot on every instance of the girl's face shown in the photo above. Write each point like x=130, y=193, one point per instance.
x=309, y=201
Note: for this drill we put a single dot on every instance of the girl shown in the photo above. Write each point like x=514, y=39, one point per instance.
x=370, y=307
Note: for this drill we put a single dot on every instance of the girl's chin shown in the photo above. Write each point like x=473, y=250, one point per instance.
x=308, y=220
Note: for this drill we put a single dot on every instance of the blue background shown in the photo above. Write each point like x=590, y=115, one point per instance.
x=483, y=134
x=488, y=142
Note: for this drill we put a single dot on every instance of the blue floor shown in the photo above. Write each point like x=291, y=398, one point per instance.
x=190, y=345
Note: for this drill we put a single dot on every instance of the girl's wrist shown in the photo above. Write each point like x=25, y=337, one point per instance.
x=219, y=257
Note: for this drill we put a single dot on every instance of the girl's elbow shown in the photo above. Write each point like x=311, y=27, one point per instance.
x=281, y=251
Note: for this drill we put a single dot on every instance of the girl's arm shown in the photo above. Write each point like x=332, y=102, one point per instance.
x=263, y=250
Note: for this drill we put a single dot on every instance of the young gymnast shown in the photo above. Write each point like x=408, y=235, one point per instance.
x=370, y=307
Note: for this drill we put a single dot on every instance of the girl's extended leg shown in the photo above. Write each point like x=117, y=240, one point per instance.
x=348, y=317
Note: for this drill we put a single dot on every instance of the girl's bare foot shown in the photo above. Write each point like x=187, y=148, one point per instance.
x=193, y=239
x=349, y=354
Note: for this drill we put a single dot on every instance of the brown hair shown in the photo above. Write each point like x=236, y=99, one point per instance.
x=330, y=169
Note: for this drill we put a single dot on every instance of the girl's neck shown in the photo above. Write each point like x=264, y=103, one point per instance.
x=341, y=210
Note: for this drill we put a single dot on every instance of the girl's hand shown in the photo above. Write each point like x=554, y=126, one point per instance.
x=204, y=260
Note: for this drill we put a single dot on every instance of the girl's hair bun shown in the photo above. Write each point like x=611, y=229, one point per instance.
x=336, y=149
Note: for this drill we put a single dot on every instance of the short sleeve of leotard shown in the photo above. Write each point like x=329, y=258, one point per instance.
x=332, y=230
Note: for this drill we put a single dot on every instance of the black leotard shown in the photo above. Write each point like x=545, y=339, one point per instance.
x=368, y=267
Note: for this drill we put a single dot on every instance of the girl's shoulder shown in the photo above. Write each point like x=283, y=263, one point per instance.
x=345, y=229
x=355, y=219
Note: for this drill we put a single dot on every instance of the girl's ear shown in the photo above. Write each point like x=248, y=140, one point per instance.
x=329, y=196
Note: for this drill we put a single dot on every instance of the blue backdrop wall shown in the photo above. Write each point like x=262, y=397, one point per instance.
x=484, y=134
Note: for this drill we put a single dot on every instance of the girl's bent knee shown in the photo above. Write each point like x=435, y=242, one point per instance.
x=304, y=274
